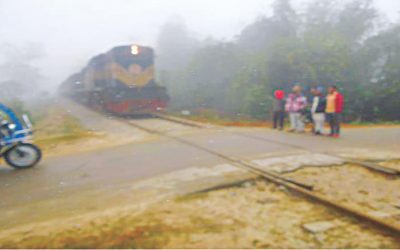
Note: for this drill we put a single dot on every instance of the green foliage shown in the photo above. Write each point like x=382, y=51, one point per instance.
x=328, y=44
x=256, y=102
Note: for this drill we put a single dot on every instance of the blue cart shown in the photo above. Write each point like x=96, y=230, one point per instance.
x=15, y=140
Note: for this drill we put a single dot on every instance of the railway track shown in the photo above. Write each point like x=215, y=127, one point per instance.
x=304, y=189
x=369, y=165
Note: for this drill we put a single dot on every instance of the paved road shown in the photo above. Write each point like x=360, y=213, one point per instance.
x=68, y=176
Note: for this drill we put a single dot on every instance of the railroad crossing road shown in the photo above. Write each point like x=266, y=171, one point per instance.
x=109, y=169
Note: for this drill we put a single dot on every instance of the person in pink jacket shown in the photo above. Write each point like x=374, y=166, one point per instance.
x=296, y=104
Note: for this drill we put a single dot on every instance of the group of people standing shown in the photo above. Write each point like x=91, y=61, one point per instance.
x=321, y=108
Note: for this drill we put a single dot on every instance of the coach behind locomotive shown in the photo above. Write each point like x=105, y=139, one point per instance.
x=120, y=81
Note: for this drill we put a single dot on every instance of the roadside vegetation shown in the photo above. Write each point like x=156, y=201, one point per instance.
x=21, y=90
x=211, y=116
x=56, y=126
x=327, y=42
x=53, y=125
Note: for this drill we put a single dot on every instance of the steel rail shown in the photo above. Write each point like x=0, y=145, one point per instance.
x=365, y=164
x=293, y=185
x=253, y=168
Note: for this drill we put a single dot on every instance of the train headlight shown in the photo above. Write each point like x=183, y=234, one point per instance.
x=134, y=49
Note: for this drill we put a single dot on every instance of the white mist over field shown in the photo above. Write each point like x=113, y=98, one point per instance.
x=57, y=37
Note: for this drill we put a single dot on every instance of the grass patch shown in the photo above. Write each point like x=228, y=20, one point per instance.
x=209, y=116
x=54, y=126
x=150, y=229
x=380, y=123
x=213, y=117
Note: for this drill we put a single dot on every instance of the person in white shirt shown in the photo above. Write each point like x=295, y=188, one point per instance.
x=318, y=110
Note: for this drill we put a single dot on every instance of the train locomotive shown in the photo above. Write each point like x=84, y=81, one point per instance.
x=120, y=81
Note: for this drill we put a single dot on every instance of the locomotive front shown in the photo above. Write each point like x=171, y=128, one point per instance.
x=131, y=87
x=120, y=81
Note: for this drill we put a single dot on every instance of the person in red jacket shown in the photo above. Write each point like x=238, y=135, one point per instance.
x=334, y=109
x=278, y=109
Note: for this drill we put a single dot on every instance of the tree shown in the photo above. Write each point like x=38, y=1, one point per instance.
x=330, y=43
x=175, y=45
x=20, y=78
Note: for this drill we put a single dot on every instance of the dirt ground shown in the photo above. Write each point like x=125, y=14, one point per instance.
x=259, y=215
x=373, y=193
x=395, y=164
x=252, y=215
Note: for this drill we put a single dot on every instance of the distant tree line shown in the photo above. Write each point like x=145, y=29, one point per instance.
x=19, y=77
x=349, y=45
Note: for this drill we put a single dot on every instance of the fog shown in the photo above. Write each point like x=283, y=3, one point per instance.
x=68, y=32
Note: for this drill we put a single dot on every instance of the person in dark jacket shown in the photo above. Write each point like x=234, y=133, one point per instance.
x=318, y=110
x=278, y=109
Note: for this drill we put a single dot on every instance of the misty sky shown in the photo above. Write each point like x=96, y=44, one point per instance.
x=72, y=31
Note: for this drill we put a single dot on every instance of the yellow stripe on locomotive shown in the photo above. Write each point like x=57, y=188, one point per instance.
x=134, y=76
